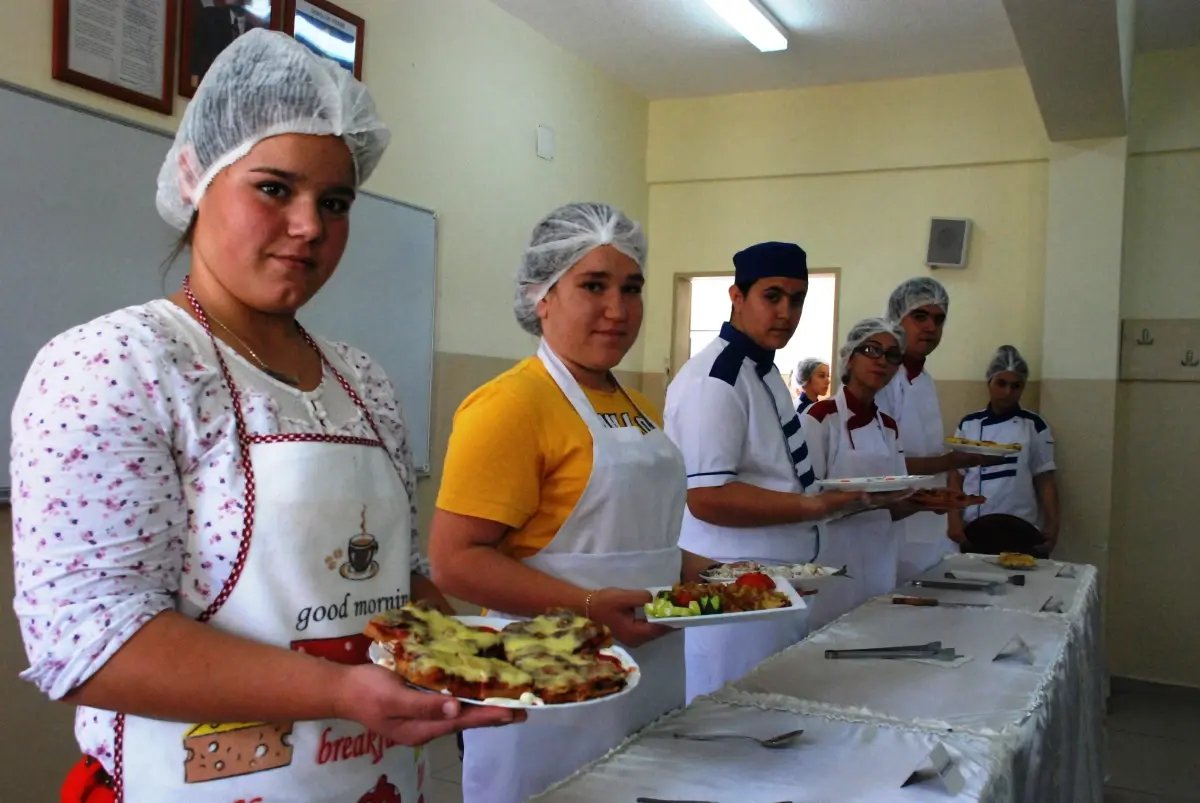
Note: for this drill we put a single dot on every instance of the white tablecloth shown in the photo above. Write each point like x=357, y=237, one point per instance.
x=1019, y=733
x=982, y=696
x=1067, y=595
x=833, y=762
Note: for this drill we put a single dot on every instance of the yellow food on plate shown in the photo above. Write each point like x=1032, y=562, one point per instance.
x=1016, y=560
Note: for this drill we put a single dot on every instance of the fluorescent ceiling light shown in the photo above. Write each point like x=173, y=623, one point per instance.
x=753, y=22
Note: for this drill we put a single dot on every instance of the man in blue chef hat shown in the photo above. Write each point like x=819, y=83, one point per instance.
x=731, y=415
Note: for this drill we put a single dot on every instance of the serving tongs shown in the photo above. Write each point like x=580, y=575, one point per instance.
x=962, y=585
x=931, y=651
x=980, y=577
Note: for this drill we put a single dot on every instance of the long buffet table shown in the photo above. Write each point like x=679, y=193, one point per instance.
x=1024, y=728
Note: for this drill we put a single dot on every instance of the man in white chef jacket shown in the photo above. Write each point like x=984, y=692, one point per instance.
x=731, y=415
x=920, y=305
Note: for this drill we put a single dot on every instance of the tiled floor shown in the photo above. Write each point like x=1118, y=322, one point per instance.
x=1153, y=752
x=1153, y=748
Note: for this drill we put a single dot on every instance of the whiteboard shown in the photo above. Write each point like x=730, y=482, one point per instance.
x=80, y=237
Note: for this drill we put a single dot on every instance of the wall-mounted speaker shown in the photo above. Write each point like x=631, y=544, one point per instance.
x=948, y=239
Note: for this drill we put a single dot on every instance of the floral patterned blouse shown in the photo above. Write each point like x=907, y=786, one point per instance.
x=127, y=494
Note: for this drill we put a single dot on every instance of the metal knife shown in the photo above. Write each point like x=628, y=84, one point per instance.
x=930, y=602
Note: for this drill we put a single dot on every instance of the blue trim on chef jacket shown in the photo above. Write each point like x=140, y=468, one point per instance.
x=986, y=418
x=806, y=481
x=727, y=366
x=998, y=475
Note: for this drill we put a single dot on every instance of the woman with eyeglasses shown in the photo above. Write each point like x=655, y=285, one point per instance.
x=848, y=436
x=1021, y=512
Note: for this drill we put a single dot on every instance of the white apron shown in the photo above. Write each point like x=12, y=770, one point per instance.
x=921, y=433
x=623, y=532
x=326, y=544
x=867, y=544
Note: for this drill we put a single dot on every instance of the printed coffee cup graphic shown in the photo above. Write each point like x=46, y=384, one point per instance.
x=360, y=554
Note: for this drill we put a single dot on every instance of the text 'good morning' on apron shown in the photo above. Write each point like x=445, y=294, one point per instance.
x=326, y=545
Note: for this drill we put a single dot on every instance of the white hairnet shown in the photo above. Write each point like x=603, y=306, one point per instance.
x=561, y=239
x=263, y=85
x=915, y=293
x=806, y=369
x=860, y=333
x=1007, y=358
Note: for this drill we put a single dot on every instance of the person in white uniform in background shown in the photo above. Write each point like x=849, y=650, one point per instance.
x=209, y=502
x=560, y=490
x=848, y=436
x=812, y=376
x=748, y=466
x=1023, y=486
x=920, y=306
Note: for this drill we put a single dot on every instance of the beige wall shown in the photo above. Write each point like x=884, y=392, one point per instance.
x=1154, y=610
x=463, y=86
x=854, y=173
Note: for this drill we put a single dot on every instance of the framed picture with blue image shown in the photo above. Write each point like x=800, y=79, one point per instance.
x=328, y=30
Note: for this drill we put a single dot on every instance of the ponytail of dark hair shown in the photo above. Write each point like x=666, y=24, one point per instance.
x=182, y=244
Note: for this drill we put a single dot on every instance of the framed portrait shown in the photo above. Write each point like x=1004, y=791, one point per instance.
x=210, y=26
x=327, y=30
x=124, y=49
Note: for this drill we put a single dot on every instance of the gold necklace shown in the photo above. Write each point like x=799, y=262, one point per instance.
x=287, y=379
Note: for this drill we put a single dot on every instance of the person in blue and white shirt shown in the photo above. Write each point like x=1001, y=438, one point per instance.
x=1023, y=486
x=920, y=306
x=731, y=415
x=812, y=377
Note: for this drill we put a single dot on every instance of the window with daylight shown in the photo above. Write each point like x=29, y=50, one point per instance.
x=815, y=337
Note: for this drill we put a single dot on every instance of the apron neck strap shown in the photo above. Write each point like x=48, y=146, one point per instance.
x=243, y=434
x=571, y=388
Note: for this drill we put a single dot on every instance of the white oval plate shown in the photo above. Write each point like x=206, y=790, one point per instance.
x=990, y=451
x=798, y=583
x=798, y=606
x=875, y=484
x=380, y=656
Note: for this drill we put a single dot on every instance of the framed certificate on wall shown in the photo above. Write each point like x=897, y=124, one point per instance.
x=124, y=49
x=210, y=26
x=327, y=30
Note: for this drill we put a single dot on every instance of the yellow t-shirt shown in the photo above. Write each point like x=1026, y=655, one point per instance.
x=519, y=454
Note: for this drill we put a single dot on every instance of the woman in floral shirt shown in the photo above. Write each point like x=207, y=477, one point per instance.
x=209, y=504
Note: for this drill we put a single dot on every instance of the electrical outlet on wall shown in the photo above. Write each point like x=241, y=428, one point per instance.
x=545, y=142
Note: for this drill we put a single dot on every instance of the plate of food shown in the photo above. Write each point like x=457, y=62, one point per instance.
x=749, y=598
x=802, y=576
x=1015, y=561
x=990, y=448
x=943, y=499
x=559, y=660
x=875, y=484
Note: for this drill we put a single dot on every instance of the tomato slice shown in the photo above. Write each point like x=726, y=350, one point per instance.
x=755, y=580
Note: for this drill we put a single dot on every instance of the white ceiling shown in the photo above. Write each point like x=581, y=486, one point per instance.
x=681, y=48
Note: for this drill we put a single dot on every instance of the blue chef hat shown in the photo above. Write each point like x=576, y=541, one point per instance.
x=765, y=260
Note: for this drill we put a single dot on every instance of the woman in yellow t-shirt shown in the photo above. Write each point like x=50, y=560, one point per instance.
x=560, y=490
